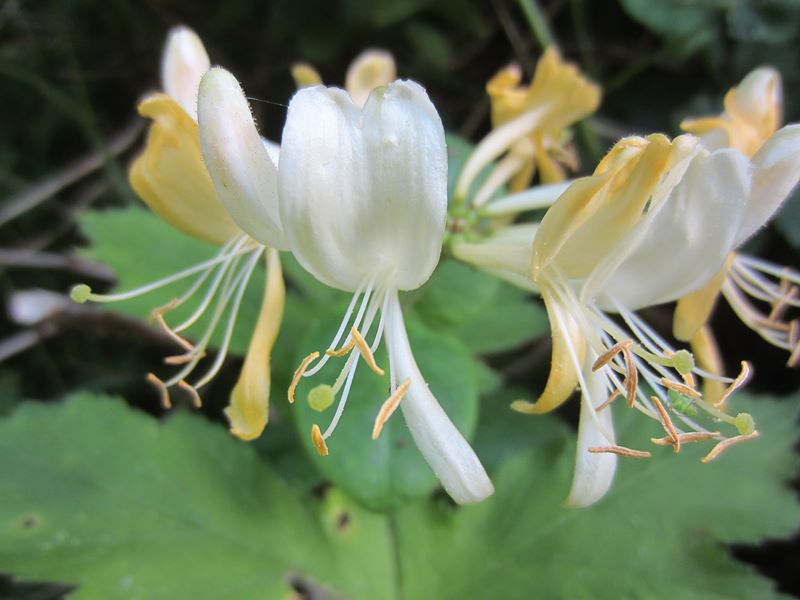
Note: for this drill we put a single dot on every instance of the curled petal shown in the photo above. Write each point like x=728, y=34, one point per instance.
x=183, y=64
x=248, y=411
x=243, y=173
x=171, y=177
x=568, y=343
x=684, y=240
x=594, y=472
x=777, y=171
x=370, y=69
x=450, y=456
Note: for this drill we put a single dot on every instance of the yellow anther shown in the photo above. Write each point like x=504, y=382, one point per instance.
x=631, y=374
x=787, y=292
x=298, y=374
x=319, y=441
x=343, y=350
x=689, y=380
x=667, y=423
x=693, y=436
x=680, y=388
x=388, y=408
x=740, y=380
x=621, y=450
x=363, y=347
x=182, y=359
x=196, y=400
x=162, y=390
x=614, y=395
x=725, y=444
x=158, y=316
x=794, y=344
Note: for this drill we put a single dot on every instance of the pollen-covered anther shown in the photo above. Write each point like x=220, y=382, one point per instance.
x=740, y=380
x=298, y=374
x=388, y=408
x=621, y=451
x=158, y=316
x=787, y=293
x=631, y=373
x=182, y=359
x=162, y=390
x=343, y=350
x=692, y=436
x=196, y=400
x=681, y=388
x=363, y=347
x=614, y=395
x=667, y=423
x=725, y=444
x=318, y=440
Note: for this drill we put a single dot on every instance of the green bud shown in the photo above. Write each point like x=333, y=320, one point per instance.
x=745, y=423
x=80, y=293
x=321, y=397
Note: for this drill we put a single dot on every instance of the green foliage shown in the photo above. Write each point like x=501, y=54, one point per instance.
x=106, y=498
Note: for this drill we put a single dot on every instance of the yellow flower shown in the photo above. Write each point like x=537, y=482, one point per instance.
x=529, y=124
x=369, y=70
x=750, y=124
x=171, y=177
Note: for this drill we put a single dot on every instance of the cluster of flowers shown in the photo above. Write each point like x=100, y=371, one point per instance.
x=357, y=192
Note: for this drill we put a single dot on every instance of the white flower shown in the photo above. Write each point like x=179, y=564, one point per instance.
x=363, y=201
x=655, y=221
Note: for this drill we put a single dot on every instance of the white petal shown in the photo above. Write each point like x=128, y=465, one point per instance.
x=240, y=167
x=183, y=64
x=684, y=241
x=594, y=472
x=760, y=94
x=452, y=459
x=777, y=171
x=364, y=193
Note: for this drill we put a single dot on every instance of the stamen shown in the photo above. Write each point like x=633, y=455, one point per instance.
x=162, y=390
x=609, y=354
x=182, y=359
x=683, y=438
x=681, y=388
x=614, y=395
x=158, y=316
x=725, y=444
x=343, y=350
x=740, y=380
x=196, y=400
x=621, y=450
x=298, y=374
x=667, y=423
x=318, y=440
x=794, y=343
x=388, y=408
x=631, y=373
x=365, y=351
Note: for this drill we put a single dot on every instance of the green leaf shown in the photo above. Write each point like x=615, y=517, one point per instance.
x=672, y=18
x=387, y=472
x=657, y=535
x=142, y=248
x=455, y=294
x=107, y=498
x=510, y=320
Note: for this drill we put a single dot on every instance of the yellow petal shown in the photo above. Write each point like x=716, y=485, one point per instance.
x=305, y=75
x=563, y=377
x=248, y=411
x=550, y=171
x=708, y=357
x=171, y=177
x=371, y=69
x=694, y=310
x=593, y=214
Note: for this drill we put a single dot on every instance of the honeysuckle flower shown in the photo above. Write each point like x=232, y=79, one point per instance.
x=761, y=293
x=171, y=177
x=529, y=125
x=363, y=203
x=655, y=221
x=369, y=70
